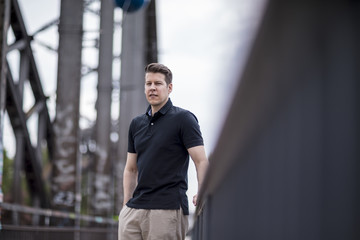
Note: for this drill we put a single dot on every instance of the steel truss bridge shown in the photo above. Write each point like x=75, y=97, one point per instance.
x=64, y=184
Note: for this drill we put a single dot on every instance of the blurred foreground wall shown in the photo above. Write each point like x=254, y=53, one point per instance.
x=286, y=165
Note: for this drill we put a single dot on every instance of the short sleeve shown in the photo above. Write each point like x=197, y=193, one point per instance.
x=190, y=131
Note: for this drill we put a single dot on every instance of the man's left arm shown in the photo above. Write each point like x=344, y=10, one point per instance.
x=201, y=162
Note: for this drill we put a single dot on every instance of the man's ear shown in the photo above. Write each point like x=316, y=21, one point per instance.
x=170, y=87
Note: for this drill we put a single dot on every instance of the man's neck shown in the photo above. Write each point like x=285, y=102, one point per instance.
x=156, y=108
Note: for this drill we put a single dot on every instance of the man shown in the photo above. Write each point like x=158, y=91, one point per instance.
x=155, y=174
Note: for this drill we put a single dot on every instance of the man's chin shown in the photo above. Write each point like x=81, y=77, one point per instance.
x=153, y=102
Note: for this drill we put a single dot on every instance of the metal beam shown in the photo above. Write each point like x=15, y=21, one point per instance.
x=32, y=166
x=17, y=45
x=26, y=156
x=21, y=36
x=66, y=122
x=102, y=200
x=4, y=25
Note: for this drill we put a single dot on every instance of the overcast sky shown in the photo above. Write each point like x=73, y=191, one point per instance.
x=203, y=42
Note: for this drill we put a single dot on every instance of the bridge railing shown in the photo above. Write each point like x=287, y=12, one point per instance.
x=286, y=165
x=89, y=227
x=10, y=232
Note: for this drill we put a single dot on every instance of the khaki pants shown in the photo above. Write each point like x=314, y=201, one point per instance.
x=145, y=224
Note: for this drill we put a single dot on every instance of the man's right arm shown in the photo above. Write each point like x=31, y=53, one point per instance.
x=130, y=176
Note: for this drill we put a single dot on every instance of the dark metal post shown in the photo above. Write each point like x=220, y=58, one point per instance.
x=151, y=33
x=4, y=25
x=67, y=105
x=102, y=199
x=19, y=136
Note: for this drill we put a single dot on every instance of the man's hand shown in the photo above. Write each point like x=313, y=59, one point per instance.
x=195, y=200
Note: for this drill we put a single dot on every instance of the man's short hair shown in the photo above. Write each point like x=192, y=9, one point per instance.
x=160, y=68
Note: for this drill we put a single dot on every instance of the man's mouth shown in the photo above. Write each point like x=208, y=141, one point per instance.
x=152, y=95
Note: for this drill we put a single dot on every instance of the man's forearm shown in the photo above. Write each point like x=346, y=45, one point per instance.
x=201, y=168
x=201, y=163
x=129, y=184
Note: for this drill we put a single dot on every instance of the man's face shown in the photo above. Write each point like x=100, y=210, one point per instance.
x=156, y=90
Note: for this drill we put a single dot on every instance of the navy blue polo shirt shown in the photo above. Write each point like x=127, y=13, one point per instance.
x=161, y=144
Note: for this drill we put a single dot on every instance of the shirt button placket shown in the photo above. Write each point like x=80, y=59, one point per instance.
x=150, y=129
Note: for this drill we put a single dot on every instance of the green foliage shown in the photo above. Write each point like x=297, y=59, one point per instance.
x=8, y=173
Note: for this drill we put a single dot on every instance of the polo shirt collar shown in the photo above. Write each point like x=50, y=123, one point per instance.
x=163, y=110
